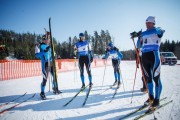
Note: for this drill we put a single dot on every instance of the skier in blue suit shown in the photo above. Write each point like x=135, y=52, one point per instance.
x=84, y=53
x=116, y=58
x=151, y=40
x=46, y=62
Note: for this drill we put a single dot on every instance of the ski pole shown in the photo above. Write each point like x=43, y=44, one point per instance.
x=134, y=84
x=74, y=68
x=49, y=81
x=104, y=72
x=138, y=58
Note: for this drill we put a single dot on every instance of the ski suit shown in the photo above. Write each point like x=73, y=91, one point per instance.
x=151, y=40
x=46, y=63
x=84, y=57
x=116, y=57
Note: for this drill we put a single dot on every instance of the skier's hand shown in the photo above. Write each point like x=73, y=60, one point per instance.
x=47, y=33
x=47, y=49
x=119, y=60
x=161, y=29
x=91, y=59
x=137, y=63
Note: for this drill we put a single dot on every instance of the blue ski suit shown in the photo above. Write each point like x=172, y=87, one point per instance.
x=46, y=63
x=151, y=40
x=116, y=58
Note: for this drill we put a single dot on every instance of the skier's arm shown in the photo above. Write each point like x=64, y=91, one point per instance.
x=43, y=48
x=138, y=44
x=75, y=50
x=38, y=55
x=37, y=52
x=106, y=54
x=120, y=55
x=46, y=49
x=90, y=52
x=160, y=32
x=91, y=56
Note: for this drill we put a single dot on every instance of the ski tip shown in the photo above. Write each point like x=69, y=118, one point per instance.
x=65, y=105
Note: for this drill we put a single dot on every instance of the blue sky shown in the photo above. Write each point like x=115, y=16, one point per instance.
x=70, y=17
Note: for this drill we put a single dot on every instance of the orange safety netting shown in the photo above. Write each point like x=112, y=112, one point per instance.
x=14, y=69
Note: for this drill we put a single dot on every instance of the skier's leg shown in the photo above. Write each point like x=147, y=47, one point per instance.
x=116, y=69
x=54, y=84
x=81, y=68
x=118, y=72
x=148, y=74
x=156, y=77
x=88, y=69
x=115, y=73
x=45, y=76
x=144, y=84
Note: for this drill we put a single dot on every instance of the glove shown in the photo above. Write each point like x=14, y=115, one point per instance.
x=47, y=33
x=161, y=29
x=119, y=60
x=47, y=48
x=91, y=59
x=137, y=63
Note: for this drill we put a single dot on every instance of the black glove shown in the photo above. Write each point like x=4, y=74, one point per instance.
x=47, y=48
x=91, y=59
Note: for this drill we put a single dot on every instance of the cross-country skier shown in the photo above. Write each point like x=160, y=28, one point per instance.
x=116, y=58
x=46, y=61
x=84, y=53
x=151, y=40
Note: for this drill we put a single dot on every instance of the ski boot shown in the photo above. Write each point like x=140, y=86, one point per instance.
x=90, y=84
x=83, y=86
x=143, y=90
x=42, y=95
x=155, y=103
x=149, y=101
x=114, y=83
x=119, y=83
x=56, y=91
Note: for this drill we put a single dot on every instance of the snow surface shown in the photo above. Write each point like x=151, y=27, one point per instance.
x=97, y=106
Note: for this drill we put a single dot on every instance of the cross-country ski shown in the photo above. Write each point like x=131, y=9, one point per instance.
x=139, y=109
x=2, y=105
x=87, y=95
x=10, y=108
x=149, y=111
x=81, y=90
